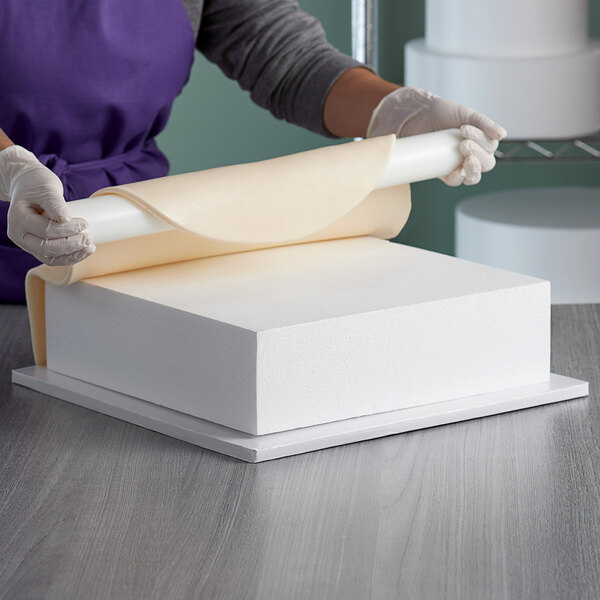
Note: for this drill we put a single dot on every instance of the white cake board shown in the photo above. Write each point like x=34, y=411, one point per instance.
x=259, y=448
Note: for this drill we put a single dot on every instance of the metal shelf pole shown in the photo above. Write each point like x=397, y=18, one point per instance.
x=365, y=32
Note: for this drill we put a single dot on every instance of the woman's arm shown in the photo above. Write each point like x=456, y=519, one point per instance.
x=5, y=141
x=277, y=52
x=351, y=101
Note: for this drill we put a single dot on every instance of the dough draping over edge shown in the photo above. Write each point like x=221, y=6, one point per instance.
x=311, y=196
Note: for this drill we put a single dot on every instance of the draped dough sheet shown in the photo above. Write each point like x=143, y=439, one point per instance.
x=317, y=195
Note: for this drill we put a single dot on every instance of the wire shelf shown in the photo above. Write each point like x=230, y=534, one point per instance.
x=582, y=149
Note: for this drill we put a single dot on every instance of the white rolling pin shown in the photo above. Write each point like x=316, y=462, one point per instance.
x=413, y=159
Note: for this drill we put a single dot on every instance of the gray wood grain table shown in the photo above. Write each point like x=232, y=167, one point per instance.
x=502, y=507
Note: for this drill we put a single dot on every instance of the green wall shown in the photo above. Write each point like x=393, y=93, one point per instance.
x=214, y=123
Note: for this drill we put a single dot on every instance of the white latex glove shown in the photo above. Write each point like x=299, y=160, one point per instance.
x=411, y=111
x=39, y=219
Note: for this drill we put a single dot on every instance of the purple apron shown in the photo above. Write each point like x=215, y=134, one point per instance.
x=86, y=86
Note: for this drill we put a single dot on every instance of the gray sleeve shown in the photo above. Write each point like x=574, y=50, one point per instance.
x=277, y=52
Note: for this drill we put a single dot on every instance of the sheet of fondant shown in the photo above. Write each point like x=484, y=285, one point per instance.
x=321, y=194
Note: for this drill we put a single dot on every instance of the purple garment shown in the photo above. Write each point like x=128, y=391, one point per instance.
x=86, y=86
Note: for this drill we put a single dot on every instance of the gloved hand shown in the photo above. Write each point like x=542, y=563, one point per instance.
x=412, y=111
x=39, y=219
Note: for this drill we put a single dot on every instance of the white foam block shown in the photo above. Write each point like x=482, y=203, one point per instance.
x=531, y=97
x=289, y=337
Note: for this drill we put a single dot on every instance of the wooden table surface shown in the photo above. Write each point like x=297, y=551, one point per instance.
x=502, y=507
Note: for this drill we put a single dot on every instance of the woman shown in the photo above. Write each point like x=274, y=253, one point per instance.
x=86, y=86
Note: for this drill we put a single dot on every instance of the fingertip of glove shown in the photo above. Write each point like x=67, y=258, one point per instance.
x=466, y=147
x=58, y=216
x=472, y=180
x=86, y=252
x=453, y=182
x=80, y=223
x=499, y=134
x=455, y=178
x=80, y=255
x=495, y=131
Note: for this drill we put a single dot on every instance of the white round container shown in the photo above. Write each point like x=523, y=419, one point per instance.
x=539, y=98
x=551, y=233
x=506, y=28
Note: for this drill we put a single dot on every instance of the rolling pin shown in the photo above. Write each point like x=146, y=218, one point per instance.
x=417, y=158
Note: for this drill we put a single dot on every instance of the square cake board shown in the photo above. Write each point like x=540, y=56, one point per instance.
x=258, y=448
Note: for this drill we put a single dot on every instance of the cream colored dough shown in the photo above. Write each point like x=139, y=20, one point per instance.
x=317, y=195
